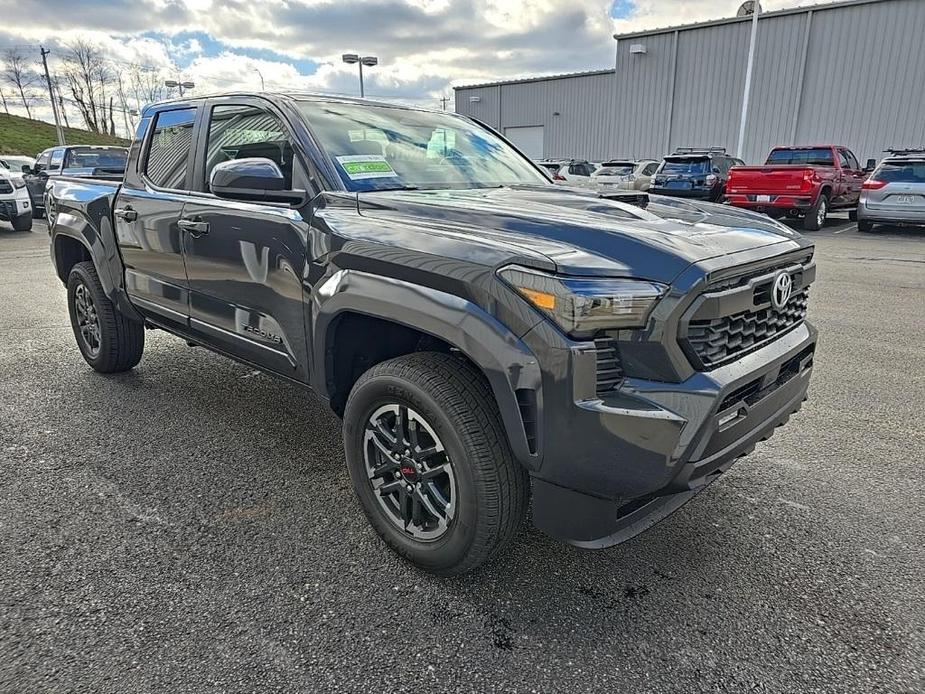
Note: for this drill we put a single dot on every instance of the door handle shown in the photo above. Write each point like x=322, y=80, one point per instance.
x=126, y=213
x=195, y=227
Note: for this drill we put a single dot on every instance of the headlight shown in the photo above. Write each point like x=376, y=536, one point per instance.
x=18, y=183
x=583, y=305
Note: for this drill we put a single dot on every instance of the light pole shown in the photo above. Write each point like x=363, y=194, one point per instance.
x=368, y=61
x=180, y=85
x=260, y=75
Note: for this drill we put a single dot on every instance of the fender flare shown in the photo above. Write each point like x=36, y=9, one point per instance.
x=91, y=226
x=507, y=363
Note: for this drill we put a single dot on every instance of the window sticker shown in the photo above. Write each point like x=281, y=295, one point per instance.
x=362, y=166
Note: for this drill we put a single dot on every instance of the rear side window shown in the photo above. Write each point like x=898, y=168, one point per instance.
x=901, y=172
x=817, y=157
x=168, y=153
x=650, y=169
x=238, y=132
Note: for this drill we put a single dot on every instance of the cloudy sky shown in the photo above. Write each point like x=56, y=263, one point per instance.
x=425, y=47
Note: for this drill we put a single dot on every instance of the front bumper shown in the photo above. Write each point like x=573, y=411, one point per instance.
x=614, y=466
x=11, y=209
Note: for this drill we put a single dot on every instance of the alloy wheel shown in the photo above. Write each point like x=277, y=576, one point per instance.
x=88, y=321
x=410, y=472
x=821, y=212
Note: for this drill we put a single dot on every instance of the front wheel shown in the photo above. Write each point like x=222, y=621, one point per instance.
x=865, y=226
x=817, y=214
x=108, y=341
x=430, y=462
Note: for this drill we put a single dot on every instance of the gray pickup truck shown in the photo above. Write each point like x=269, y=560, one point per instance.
x=484, y=334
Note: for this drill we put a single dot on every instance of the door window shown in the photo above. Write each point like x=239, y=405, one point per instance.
x=852, y=160
x=236, y=132
x=42, y=162
x=843, y=159
x=650, y=169
x=57, y=156
x=168, y=153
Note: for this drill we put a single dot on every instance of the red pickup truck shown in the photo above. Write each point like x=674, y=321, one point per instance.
x=799, y=181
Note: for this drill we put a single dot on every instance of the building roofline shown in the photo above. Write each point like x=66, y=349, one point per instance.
x=524, y=80
x=818, y=7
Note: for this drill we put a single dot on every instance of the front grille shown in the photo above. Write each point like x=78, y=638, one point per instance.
x=720, y=340
x=609, y=369
x=5, y=186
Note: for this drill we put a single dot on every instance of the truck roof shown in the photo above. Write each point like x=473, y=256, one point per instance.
x=291, y=96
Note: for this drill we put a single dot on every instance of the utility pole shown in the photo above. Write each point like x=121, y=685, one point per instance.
x=51, y=95
x=3, y=97
x=756, y=10
x=444, y=99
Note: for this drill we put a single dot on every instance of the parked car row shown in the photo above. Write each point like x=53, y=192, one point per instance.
x=805, y=182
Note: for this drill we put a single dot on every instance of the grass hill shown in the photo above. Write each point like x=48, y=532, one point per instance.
x=24, y=136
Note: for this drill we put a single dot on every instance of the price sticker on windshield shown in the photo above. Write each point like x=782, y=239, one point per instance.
x=362, y=166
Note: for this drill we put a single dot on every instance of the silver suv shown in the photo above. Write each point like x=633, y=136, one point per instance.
x=895, y=191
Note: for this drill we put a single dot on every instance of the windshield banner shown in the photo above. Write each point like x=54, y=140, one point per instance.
x=362, y=166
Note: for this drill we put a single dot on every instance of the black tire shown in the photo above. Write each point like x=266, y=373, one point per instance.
x=853, y=214
x=491, y=487
x=817, y=214
x=865, y=226
x=23, y=222
x=120, y=342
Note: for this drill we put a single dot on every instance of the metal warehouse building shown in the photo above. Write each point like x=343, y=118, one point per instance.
x=850, y=73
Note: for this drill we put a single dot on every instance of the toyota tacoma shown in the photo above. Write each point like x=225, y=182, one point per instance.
x=485, y=335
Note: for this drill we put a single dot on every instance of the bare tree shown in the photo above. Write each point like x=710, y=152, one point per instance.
x=147, y=86
x=88, y=76
x=18, y=74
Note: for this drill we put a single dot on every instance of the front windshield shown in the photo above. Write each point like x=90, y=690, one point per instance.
x=389, y=147
x=101, y=157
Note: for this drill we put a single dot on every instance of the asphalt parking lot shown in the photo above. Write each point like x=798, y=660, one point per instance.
x=190, y=527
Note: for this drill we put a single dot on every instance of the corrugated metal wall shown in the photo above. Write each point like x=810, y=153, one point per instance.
x=850, y=74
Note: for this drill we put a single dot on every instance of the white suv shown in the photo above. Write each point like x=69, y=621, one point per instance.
x=15, y=206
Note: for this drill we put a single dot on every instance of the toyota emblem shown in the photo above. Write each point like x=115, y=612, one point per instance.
x=781, y=290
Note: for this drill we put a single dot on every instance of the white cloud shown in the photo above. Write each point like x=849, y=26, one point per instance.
x=424, y=46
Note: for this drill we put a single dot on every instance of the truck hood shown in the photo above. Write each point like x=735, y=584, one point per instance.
x=577, y=232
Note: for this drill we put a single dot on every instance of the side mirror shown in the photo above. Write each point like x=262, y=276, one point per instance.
x=26, y=169
x=716, y=169
x=871, y=165
x=253, y=178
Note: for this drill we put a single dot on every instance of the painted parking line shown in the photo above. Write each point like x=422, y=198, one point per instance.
x=842, y=230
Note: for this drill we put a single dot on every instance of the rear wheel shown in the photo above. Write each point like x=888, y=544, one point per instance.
x=865, y=226
x=430, y=462
x=108, y=341
x=816, y=215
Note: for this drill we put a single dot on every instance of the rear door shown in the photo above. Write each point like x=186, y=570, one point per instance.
x=147, y=212
x=245, y=260
x=854, y=177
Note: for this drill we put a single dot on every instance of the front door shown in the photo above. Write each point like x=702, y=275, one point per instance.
x=147, y=212
x=37, y=179
x=245, y=260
